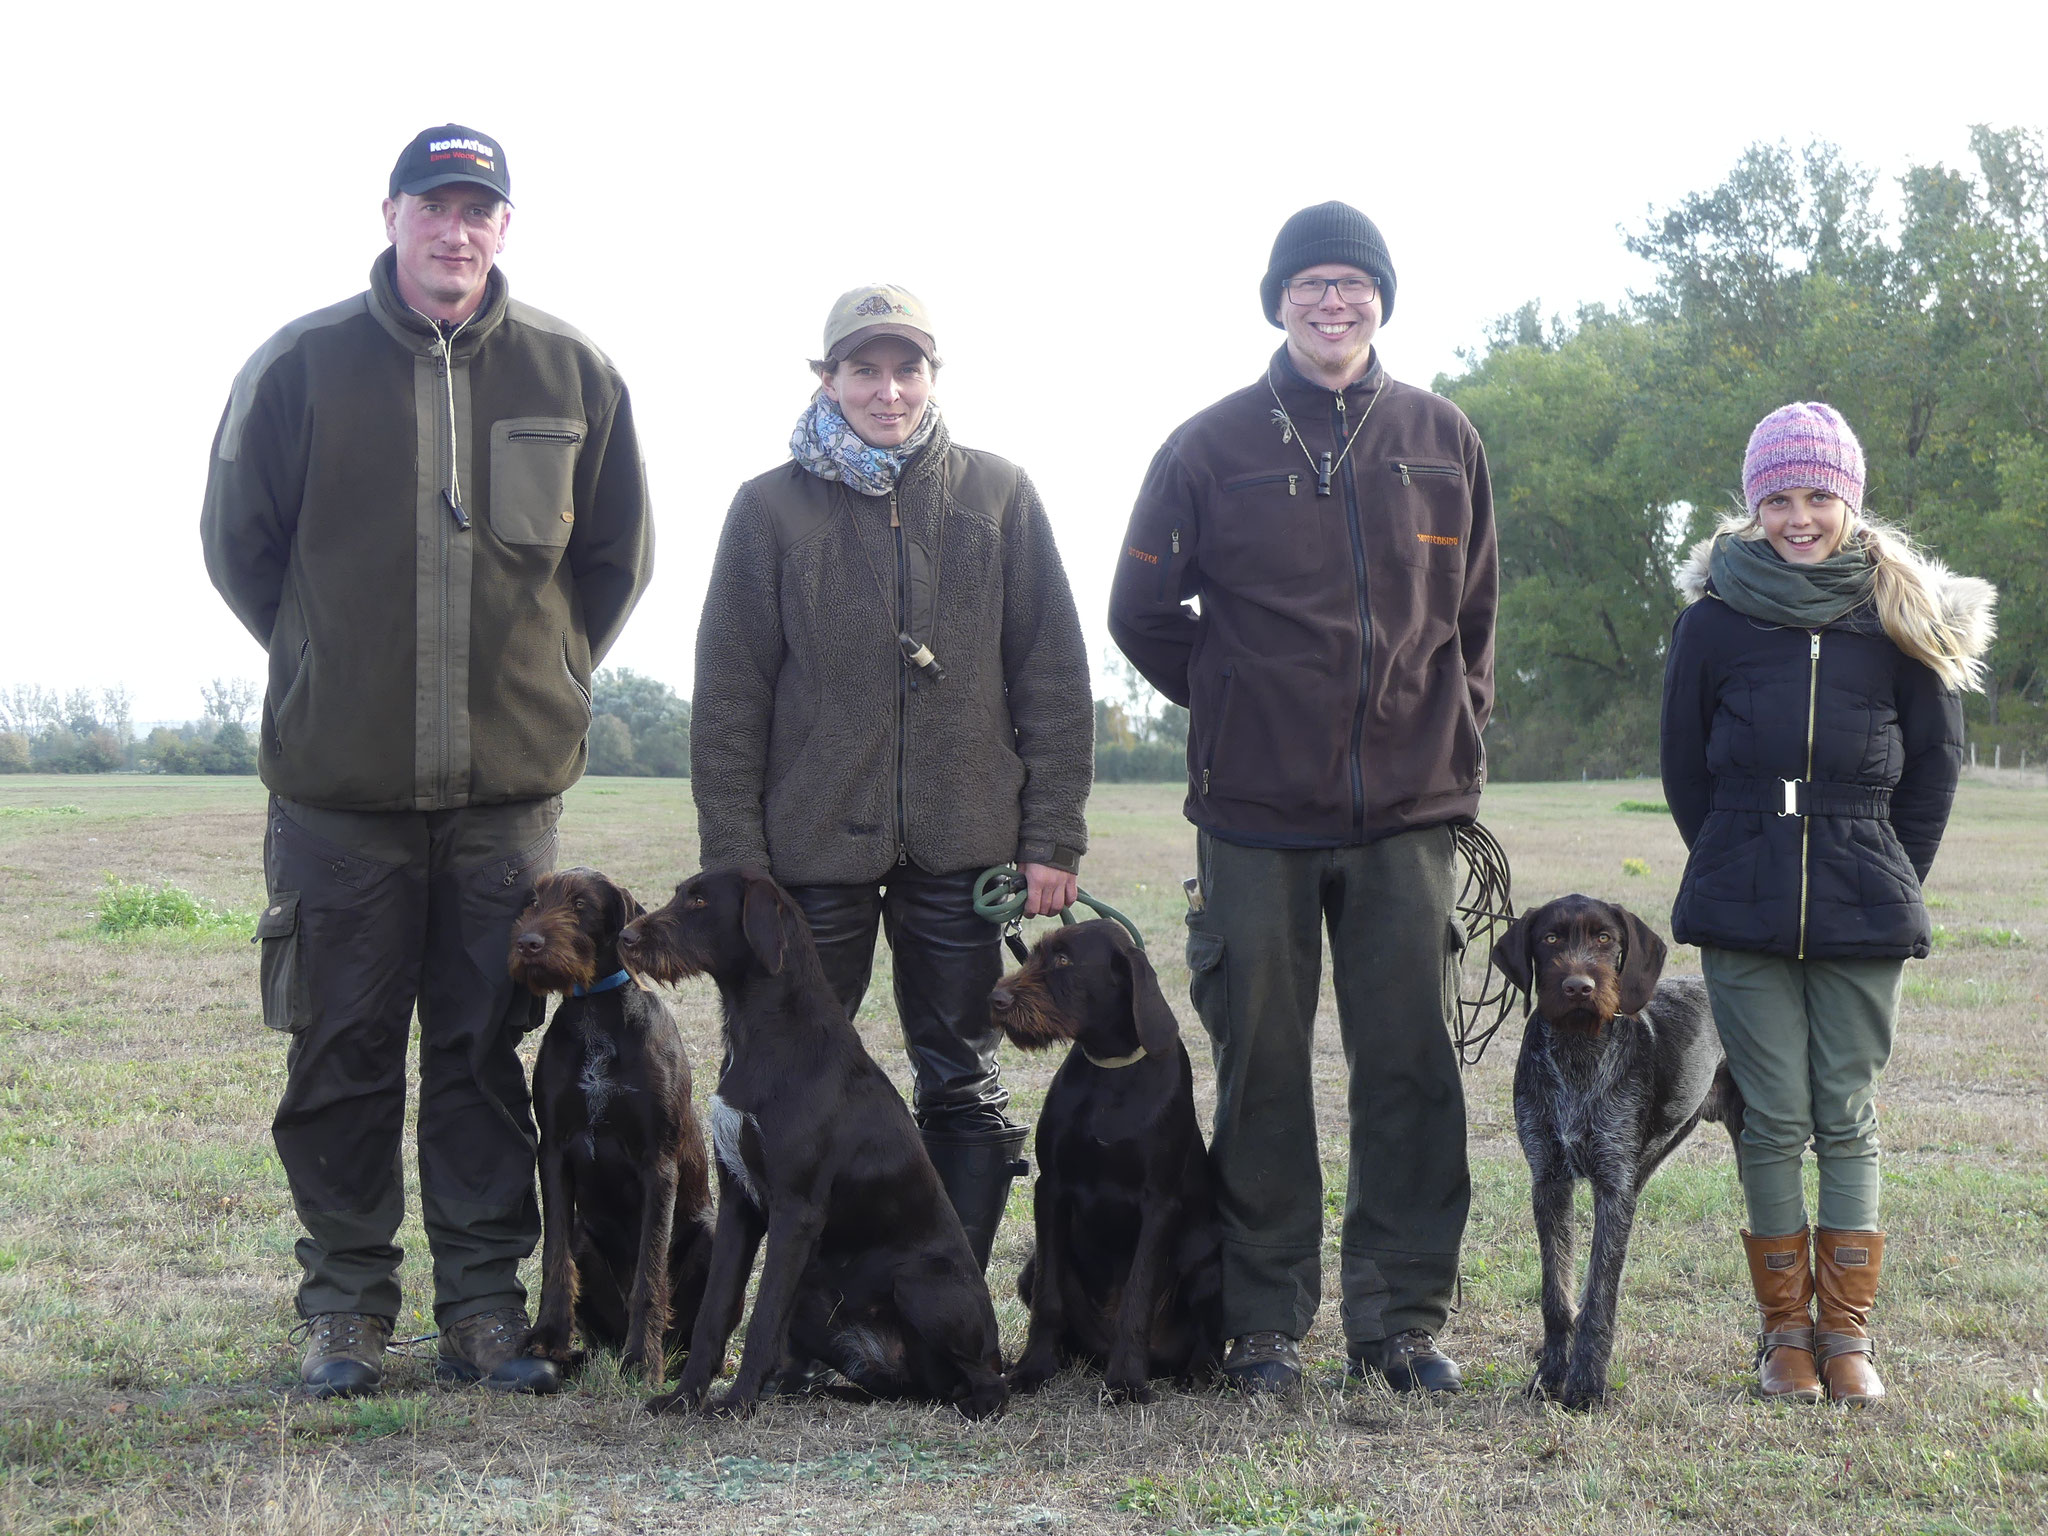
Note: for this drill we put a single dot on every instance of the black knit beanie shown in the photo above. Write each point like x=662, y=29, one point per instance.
x=1328, y=232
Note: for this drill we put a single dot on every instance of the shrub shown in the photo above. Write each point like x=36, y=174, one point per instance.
x=127, y=909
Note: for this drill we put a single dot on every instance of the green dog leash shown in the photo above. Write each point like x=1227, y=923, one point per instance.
x=1000, y=895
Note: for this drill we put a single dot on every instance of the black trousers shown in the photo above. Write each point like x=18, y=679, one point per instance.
x=371, y=915
x=947, y=960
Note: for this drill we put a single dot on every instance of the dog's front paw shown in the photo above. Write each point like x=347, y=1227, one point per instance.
x=1582, y=1396
x=684, y=1399
x=732, y=1405
x=1034, y=1371
x=1129, y=1390
x=1546, y=1383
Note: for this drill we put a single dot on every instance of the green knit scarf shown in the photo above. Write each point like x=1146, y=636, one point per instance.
x=1754, y=579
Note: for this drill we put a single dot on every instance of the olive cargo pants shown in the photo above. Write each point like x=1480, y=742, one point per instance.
x=369, y=914
x=1255, y=953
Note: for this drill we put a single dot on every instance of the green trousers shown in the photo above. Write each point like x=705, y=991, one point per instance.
x=372, y=915
x=1255, y=952
x=1806, y=1040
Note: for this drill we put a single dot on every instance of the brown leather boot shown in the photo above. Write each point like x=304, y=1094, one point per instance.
x=1781, y=1273
x=1846, y=1266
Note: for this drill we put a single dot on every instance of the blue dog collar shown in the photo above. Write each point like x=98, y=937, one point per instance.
x=611, y=983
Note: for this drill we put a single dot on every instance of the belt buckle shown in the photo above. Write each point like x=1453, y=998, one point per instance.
x=1791, y=787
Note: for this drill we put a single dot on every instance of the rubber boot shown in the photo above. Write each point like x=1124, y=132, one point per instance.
x=1781, y=1273
x=1846, y=1266
x=977, y=1168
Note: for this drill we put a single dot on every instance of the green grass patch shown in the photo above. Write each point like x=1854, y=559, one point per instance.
x=125, y=909
x=1946, y=937
x=1235, y=1499
x=1644, y=807
x=10, y=811
x=1635, y=866
x=42, y=1448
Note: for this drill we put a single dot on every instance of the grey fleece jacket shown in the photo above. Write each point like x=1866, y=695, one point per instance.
x=816, y=753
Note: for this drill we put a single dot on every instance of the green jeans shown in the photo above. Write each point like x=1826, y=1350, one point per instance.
x=1806, y=1040
x=1255, y=953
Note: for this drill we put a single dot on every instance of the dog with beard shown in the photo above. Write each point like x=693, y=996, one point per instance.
x=1126, y=1273
x=1617, y=1067
x=624, y=1181
x=867, y=1269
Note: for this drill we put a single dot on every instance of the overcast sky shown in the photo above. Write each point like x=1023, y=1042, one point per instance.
x=1085, y=196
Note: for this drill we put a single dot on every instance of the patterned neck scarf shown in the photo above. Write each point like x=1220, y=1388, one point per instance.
x=1752, y=578
x=829, y=448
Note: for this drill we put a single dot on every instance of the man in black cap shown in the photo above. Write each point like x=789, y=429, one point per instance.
x=426, y=503
x=1337, y=528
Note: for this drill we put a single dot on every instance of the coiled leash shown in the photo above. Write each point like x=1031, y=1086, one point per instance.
x=1486, y=910
x=1000, y=895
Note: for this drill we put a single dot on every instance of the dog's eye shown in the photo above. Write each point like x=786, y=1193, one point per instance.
x=576, y=902
x=695, y=903
x=1061, y=960
x=1603, y=938
x=1550, y=938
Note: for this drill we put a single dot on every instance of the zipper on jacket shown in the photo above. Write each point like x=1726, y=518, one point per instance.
x=542, y=435
x=451, y=497
x=1364, y=636
x=1222, y=714
x=902, y=679
x=1408, y=470
x=1806, y=822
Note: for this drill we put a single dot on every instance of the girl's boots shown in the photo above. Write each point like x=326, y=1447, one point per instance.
x=1846, y=1266
x=1781, y=1272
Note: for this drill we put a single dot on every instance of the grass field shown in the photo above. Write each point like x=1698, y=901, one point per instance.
x=146, y=1267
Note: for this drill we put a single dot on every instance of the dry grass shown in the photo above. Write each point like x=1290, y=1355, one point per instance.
x=146, y=1270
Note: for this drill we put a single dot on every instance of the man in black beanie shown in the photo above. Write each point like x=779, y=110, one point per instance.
x=1337, y=528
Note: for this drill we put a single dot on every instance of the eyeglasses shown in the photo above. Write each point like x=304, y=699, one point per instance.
x=1352, y=290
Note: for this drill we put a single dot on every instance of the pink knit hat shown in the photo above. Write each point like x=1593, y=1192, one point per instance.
x=1804, y=445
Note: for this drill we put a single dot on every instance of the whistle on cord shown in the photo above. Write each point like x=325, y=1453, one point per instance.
x=919, y=655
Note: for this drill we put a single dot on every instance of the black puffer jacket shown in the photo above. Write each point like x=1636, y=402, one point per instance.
x=1745, y=704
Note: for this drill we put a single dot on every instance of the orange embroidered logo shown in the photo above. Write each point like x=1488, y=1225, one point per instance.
x=1439, y=538
x=1138, y=554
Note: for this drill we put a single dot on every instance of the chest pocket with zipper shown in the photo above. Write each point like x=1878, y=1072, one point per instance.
x=1269, y=528
x=533, y=479
x=1428, y=512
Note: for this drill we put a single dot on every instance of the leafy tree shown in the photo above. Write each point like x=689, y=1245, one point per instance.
x=649, y=729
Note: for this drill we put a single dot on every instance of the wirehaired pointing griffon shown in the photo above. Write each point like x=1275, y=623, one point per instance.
x=1616, y=1069
x=867, y=1268
x=1127, y=1271
x=623, y=1173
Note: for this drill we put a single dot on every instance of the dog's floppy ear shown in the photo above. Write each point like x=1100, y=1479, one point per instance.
x=761, y=920
x=1157, y=1028
x=621, y=908
x=1643, y=964
x=1511, y=954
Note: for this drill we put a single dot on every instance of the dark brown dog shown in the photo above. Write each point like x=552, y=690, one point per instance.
x=1127, y=1272
x=1617, y=1068
x=868, y=1269
x=623, y=1174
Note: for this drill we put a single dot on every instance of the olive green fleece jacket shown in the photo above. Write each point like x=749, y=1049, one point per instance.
x=436, y=541
x=816, y=753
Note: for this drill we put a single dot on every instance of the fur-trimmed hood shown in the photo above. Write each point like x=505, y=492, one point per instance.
x=1968, y=605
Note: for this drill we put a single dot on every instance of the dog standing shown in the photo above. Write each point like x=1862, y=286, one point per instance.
x=623, y=1175
x=1616, y=1069
x=1127, y=1270
x=867, y=1267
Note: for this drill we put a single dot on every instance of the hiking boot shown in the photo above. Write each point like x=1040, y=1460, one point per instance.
x=1267, y=1361
x=490, y=1347
x=1781, y=1274
x=344, y=1353
x=1410, y=1362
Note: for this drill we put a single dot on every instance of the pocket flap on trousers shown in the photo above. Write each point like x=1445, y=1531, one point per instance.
x=280, y=918
x=1205, y=951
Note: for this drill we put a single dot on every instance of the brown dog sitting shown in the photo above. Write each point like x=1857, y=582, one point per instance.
x=623, y=1174
x=868, y=1269
x=1617, y=1068
x=1127, y=1272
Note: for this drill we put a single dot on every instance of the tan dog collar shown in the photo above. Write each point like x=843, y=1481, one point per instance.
x=1115, y=1061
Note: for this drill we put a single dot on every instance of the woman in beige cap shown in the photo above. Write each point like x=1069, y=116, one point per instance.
x=892, y=695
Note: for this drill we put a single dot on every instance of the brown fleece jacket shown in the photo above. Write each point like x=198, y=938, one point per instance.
x=421, y=660
x=815, y=752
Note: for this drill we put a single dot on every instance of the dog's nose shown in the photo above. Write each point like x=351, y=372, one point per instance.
x=629, y=936
x=1578, y=989
x=530, y=943
x=1002, y=999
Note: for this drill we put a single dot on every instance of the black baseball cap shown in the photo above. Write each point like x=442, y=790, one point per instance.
x=438, y=157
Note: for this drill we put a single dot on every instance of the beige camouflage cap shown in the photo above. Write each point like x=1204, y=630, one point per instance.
x=877, y=309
